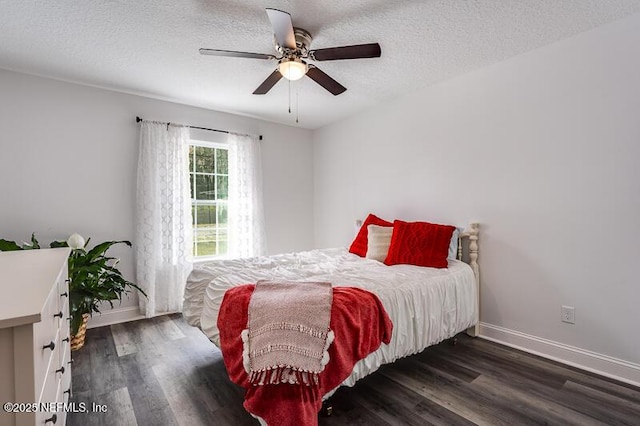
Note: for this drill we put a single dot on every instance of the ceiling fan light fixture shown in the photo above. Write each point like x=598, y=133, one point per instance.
x=293, y=69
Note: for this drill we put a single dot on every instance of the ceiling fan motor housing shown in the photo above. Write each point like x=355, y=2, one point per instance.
x=303, y=42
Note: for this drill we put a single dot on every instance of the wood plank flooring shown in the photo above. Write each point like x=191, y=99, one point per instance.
x=161, y=371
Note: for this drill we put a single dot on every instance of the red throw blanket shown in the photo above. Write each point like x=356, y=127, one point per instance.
x=360, y=324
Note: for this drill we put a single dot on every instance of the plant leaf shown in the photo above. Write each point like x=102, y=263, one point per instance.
x=6, y=245
x=101, y=248
x=34, y=243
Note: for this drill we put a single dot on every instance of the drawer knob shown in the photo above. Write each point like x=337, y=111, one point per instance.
x=65, y=294
x=59, y=315
x=51, y=346
x=53, y=419
x=68, y=280
x=60, y=370
x=66, y=339
x=68, y=391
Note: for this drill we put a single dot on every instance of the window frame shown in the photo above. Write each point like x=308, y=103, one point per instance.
x=195, y=202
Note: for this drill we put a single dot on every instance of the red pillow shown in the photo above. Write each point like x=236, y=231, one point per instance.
x=420, y=244
x=360, y=243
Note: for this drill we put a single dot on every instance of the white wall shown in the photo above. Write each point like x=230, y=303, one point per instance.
x=68, y=156
x=287, y=156
x=543, y=150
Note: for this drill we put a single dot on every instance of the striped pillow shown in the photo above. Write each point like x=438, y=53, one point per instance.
x=379, y=239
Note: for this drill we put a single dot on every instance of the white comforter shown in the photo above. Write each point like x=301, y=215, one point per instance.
x=426, y=305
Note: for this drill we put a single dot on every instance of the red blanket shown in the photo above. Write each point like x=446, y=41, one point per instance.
x=360, y=324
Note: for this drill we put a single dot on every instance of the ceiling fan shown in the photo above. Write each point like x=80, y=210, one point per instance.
x=292, y=47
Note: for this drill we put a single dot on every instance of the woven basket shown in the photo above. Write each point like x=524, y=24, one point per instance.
x=77, y=340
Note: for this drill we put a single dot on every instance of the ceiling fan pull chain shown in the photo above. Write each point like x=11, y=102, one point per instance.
x=289, y=96
x=297, y=106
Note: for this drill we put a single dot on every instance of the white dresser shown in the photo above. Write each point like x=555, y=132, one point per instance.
x=35, y=357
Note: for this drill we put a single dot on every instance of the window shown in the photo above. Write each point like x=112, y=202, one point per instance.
x=209, y=174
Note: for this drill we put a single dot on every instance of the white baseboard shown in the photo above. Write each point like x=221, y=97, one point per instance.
x=604, y=365
x=115, y=316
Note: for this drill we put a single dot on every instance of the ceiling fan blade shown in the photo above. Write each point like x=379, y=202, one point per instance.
x=358, y=51
x=325, y=81
x=235, y=54
x=282, y=28
x=268, y=83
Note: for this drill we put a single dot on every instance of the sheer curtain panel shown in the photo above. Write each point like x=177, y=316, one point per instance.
x=246, y=218
x=163, y=217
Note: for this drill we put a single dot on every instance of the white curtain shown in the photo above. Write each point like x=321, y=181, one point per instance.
x=163, y=217
x=246, y=218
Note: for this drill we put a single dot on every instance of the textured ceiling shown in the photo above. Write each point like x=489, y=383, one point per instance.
x=151, y=47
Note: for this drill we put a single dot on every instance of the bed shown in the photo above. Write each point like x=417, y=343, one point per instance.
x=426, y=305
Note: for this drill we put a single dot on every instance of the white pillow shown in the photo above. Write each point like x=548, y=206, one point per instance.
x=453, y=245
x=378, y=242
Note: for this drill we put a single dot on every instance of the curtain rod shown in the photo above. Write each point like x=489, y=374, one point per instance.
x=138, y=119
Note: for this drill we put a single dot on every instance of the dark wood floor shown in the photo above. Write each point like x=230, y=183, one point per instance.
x=164, y=372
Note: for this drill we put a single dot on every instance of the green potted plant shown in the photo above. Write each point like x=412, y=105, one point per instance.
x=93, y=278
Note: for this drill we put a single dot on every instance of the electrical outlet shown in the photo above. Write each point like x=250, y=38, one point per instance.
x=568, y=314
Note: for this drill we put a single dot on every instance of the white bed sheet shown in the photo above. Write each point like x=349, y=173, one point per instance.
x=426, y=305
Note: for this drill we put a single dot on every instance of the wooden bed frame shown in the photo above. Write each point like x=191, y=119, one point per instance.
x=471, y=233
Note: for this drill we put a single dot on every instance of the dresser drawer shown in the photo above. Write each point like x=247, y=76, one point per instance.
x=44, y=369
x=64, y=388
x=49, y=392
x=63, y=322
x=62, y=398
x=65, y=385
x=63, y=300
x=62, y=362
